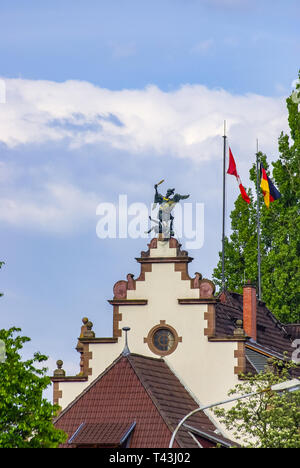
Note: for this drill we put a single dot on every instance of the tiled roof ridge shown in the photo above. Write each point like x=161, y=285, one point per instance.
x=148, y=389
x=183, y=383
x=156, y=402
x=146, y=357
x=197, y=401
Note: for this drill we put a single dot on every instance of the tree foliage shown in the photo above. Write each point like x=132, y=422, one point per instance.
x=25, y=416
x=280, y=232
x=267, y=419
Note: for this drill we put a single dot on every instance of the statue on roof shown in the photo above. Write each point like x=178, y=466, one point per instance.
x=164, y=224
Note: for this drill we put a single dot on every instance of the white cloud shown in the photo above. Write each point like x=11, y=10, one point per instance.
x=187, y=122
x=57, y=208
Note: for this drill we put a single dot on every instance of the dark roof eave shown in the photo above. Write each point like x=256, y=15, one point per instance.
x=213, y=438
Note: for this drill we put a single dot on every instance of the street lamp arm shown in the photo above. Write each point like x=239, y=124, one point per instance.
x=289, y=385
x=202, y=408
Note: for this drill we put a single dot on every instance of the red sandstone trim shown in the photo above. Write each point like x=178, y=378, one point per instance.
x=200, y=300
x=210, y=316
x=128, y=302
x=239, y=354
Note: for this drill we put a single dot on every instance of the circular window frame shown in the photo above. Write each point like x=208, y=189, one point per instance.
x=150, y=339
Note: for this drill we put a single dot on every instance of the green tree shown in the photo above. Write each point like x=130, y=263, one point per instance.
x=267, y=419
x=25, y=416
x=280, y=232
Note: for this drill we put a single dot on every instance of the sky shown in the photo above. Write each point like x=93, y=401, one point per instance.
x=105, y=98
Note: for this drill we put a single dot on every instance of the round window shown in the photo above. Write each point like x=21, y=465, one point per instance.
x=163, y=339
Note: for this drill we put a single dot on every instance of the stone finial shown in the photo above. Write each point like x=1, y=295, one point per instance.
x=130, y=281
x=83, y=327
x=59, y=372
x=88, y=333
x=197, y=279
x=83, y=330
x=239, y=331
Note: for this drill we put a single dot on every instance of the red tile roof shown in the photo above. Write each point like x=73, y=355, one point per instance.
x=272, y=335
x=141, y=389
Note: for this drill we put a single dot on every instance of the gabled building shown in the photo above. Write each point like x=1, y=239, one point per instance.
x=187, y=346
x=136, y=402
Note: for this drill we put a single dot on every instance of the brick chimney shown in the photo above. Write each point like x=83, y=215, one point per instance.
x=249, y=310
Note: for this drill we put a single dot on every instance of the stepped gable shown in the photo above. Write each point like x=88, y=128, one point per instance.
x=162, y=250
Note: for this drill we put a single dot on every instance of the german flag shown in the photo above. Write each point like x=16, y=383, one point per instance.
x=268, y=188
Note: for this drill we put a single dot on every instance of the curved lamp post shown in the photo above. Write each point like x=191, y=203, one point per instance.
x=290, y=385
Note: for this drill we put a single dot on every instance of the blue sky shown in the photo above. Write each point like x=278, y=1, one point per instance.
x=106, y=98
x=240, y=45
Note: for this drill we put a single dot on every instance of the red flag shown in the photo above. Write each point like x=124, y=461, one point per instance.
x=233, y=171
x=232, y=166
x=244, y=194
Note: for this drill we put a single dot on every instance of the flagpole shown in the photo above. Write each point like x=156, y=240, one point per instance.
x=223, y=222
x=258, y=223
